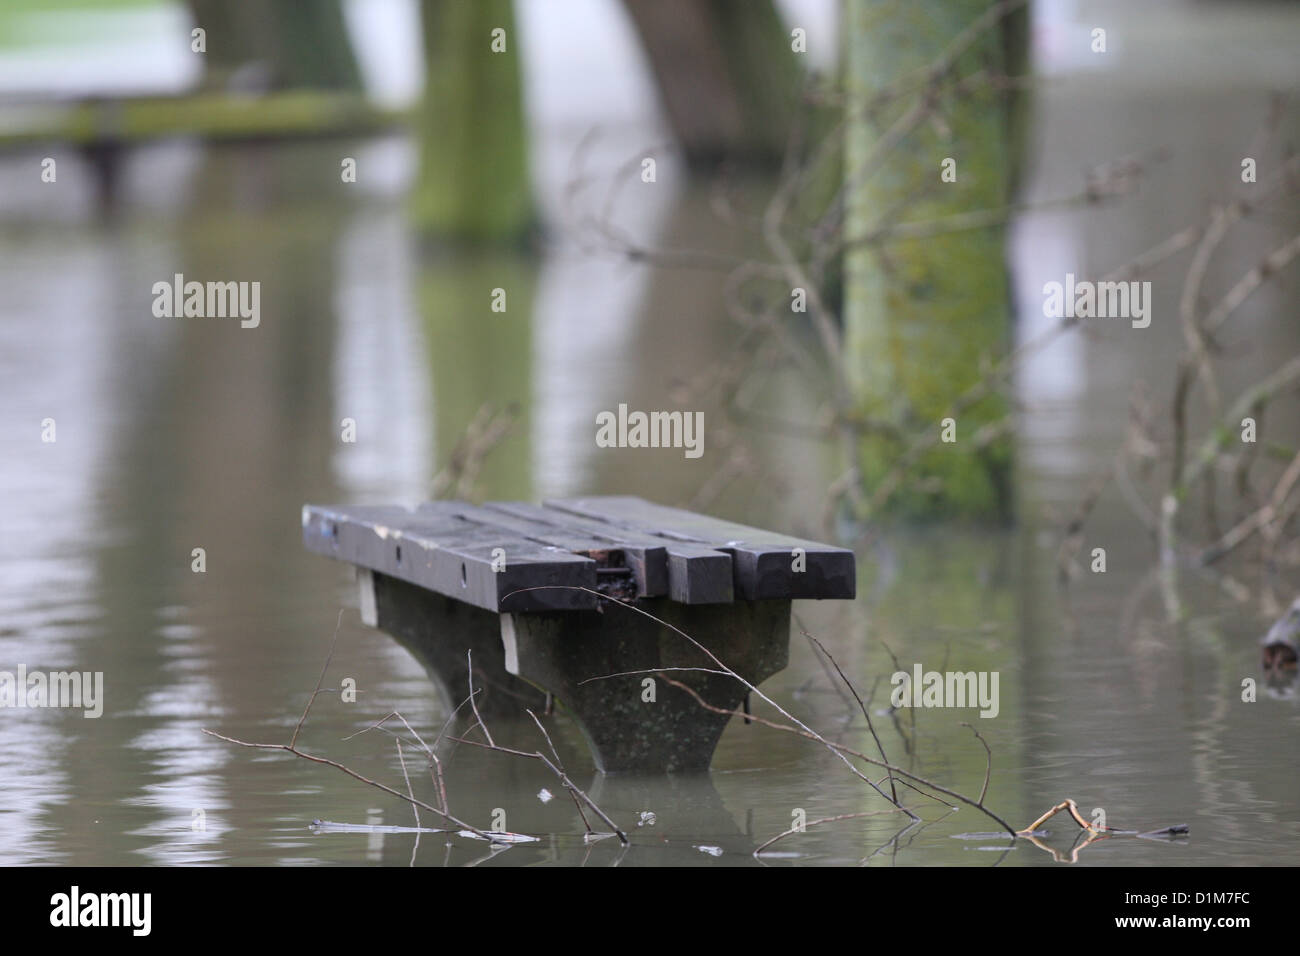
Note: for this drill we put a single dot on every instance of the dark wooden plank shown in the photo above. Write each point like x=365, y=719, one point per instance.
x=696, y=574
x=480, y=517
x=693, y=574
x=686, y=572
x=764, y=562
x=452, y=556
x=646, y=561
x=699, y=575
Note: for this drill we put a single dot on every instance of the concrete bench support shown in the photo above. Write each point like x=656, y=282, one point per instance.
x=438, y=632
x=639, y=722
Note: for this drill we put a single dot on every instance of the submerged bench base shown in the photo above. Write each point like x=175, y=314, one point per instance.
x=438, y=632
x=603, y=666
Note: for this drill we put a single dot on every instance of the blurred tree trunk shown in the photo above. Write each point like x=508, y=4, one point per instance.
x=473, y=181
x=922, y=315
x=294, y=43
x=727, y=75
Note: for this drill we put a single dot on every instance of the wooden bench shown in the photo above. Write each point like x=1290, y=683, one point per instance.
x=525, y=588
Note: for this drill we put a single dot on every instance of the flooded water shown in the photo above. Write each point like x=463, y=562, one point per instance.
x=174, y=435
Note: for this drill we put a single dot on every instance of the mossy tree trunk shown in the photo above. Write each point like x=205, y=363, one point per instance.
x=922, y=316
x=727, y=74
x=298, y=43
x=473, y=182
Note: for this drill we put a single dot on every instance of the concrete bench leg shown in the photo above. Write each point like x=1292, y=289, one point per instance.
x=438, y=631
x=627, y=732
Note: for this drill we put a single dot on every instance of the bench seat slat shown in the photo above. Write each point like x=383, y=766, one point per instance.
x=647, y=560
x=686, y=572
x=763, y=561
x=452, y=556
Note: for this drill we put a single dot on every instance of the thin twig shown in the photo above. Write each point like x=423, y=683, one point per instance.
x=469, y=656
x=988, y=761
x=865, y=713
x=320, y=680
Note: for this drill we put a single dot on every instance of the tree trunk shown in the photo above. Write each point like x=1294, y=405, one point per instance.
x=473, y=181
x=286, y=44
x=727, y=75
x=921, y=315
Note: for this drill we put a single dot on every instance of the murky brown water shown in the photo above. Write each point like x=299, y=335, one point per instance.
x=179, y=434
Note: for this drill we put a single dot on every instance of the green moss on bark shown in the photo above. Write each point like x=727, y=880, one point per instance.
x=921, y=316
x=473, y=181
